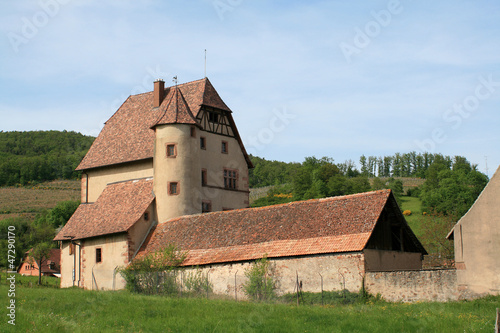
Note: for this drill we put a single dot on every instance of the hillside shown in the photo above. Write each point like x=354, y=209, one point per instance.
x=37, y=156
x=29, y=201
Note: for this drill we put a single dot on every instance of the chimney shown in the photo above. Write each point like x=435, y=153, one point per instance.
x=158, y=93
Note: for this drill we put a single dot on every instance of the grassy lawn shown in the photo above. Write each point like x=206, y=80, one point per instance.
x=75, y=310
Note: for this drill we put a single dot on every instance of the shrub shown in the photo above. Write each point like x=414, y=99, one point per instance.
x=407, y=212
x=155, y=273
x=197, y=284
x=262, y=283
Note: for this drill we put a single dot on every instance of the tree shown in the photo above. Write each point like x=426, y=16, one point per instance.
x=42, y=236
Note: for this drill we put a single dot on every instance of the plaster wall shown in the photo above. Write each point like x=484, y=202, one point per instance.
x=95, y=180
x=339, y=271
x=477, y=243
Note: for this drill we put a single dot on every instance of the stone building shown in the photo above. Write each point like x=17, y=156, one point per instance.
x=477, y=244
x=170, y=167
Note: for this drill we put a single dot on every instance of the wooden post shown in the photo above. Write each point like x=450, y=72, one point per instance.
x=497, y=322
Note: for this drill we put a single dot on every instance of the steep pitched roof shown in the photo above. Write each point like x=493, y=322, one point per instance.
x=116, y=210
x=127, y=136
x=53, y=257
x=330, y=225
x=176, y=110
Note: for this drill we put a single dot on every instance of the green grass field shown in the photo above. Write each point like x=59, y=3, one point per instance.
x=75, y=310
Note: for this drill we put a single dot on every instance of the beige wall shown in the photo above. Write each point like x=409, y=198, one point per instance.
x=97, y=179
x=339, y=271
x=477, y=243
x=186, y=168
x=377, y=260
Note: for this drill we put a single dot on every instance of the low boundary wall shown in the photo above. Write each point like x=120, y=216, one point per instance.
x=438, y=285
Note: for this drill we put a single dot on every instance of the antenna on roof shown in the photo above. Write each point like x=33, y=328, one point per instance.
x=175, y=80
x=205, y=63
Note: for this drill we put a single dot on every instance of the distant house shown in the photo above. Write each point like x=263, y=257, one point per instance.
x=51, y=267
x=170, y=167
x=477, y=243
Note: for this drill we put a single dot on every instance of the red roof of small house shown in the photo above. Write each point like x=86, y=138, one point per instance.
x=51, y=265
x=116, y=210
x=128, y=135
x=329, y=225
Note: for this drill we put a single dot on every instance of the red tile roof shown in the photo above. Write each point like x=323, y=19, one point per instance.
x=338, y=224
x=176, y=110
x=54, y=257
x=127, y=136
x=116, y=210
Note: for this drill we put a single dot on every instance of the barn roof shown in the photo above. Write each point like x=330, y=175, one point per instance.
x=127, y=136
x=116, y=210
x=329, y=225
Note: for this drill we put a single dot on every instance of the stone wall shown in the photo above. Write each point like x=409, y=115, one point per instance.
x=411, y=286
x=336, y=271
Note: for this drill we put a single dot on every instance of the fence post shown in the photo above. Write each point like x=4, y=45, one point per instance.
x=497, y=322
x=235, y=288
x=321, y=288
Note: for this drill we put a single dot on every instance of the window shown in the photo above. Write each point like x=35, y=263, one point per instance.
x=171, y=150
x=203, y=177
x=173, y=188
x=146, y=216
x=230, y=179
x=203, y=143
x=213, y=117
x=98, y=255
x=71, y=249
x=206, y=206
x=193, y=131
x=224, y=147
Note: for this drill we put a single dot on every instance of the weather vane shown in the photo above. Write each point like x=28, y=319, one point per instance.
x=175, y=79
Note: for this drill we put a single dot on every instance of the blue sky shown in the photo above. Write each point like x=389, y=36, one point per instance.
x=322, y=78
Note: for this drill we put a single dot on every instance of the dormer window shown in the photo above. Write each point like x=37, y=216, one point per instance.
x=213, y=117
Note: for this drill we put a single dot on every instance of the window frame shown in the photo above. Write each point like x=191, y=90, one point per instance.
x=98, y=255
x=208, y=204
x=224, y=147
x=172, y=154
x=204, y=177
x=203, y=143
x=177, y=188
x=230, y=177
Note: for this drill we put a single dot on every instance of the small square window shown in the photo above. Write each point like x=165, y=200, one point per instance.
x=224, y=147
x=203, y=177
x=173, y=188
x=171, y=150
x=213, y=117
x=203, y=143
x=206, y=206
x=98, y=255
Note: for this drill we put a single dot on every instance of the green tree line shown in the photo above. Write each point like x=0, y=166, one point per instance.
x=37, y=156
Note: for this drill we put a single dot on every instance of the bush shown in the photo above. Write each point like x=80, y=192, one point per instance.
x=197, y=284
x=262, y=283
x=155, y=273
x=407, y=212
